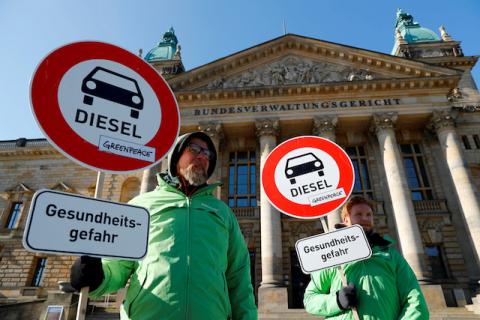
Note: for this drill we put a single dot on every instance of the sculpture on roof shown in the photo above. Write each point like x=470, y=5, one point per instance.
x=404, y=18
x=170, y=37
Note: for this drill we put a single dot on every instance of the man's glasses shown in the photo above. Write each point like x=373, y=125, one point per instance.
x=196, y=150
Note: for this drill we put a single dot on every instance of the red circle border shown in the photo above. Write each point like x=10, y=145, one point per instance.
x=303, y=211
x=46, y=108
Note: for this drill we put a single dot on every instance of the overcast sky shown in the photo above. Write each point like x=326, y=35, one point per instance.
x=206, y=30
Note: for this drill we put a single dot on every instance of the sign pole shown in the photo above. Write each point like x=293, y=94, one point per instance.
x=323, y=219
x=82, y=304
x=83, y=299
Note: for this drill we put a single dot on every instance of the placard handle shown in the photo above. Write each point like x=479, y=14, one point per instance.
x=356, y=316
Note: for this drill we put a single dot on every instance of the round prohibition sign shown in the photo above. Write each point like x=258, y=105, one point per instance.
x=307, y=177
x=132, y=109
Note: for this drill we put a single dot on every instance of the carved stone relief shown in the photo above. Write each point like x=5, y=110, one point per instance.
x=432, y=229
x=247, y=232
x=300, y=230
x=293, y=70
x=454, y=95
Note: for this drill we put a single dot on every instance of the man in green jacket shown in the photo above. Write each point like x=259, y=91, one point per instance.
x=382, y=287
x=197, y=265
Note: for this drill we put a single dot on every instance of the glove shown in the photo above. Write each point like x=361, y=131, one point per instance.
x=86, y=272
x=347, y=297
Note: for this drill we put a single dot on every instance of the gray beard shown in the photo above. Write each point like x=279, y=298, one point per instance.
x=194, y=175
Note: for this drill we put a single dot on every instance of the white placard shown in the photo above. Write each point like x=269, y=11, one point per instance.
x=65, y=223
x=333, y=248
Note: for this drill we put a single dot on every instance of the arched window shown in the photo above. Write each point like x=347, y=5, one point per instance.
x=130, y=189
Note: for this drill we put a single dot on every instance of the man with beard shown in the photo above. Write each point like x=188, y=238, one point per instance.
x=197, y=265
x=381, y=287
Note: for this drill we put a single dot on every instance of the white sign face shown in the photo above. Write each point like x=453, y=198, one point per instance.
x=64, y=223
x=333, y=249
x=105, y=98
x=305, y=174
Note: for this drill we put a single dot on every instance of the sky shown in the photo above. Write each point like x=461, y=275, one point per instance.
x=207, y=30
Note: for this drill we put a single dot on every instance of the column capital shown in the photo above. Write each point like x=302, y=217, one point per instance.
x=213, y=129
x=267, y=127
x=441, y=119
x=382, y=121
x=324, y=125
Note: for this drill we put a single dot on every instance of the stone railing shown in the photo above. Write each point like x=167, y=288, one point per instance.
x=430, y=206
x=247, y=212
x=22, y=142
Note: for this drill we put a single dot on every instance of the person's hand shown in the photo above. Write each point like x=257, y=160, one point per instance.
x=347, y=297
x=86, y=272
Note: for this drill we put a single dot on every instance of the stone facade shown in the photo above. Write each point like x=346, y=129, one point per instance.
x=374, y=103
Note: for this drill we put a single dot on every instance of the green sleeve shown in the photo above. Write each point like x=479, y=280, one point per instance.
x=412, y=301
x=318, y=299
x=116, y=274
x=238, y=275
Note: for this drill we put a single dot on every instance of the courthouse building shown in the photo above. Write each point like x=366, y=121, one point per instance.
x=409, y=121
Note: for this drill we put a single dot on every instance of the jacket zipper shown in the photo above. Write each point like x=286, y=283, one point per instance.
x=129, y=311
x=187, y=314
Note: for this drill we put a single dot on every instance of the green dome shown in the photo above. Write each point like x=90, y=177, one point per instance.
x=419, y=34
x=165, y=50
x=411, y=31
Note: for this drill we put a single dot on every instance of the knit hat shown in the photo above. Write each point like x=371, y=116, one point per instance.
x=182, y=143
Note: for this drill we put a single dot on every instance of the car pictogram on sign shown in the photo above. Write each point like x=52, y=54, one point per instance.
x=303, y=164
x=112, y=86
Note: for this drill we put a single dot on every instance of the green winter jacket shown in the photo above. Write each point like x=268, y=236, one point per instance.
x=386, y=286
x=197, y=265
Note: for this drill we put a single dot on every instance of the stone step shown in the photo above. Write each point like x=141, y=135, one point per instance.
x=475, y=308
x=476, y=298
x=102, y=313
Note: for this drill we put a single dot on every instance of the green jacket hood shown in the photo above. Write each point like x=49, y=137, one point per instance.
x=182, y=143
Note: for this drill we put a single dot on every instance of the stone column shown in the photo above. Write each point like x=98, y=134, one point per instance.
x=324, y=127
x=269, y=298
x=215, y=131
x=149, y=176
x=468, y=198
x=403, y=210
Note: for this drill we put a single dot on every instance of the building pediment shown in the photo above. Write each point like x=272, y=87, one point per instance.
x=63, y=187
x=296, y=60
x=291, y=70
x=20, y=188
x=15, y=191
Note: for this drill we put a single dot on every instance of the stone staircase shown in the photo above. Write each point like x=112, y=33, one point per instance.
x=111, y=313
x=102, y=313
x=108, y=310
x=453, y=313
x=103, y=308
x=440, y=314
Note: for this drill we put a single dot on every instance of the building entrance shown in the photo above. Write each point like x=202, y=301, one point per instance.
x=298, y=283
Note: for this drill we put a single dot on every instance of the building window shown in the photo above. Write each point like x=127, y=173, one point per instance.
x=466, y=143
x=416, y=172
x=476, y=139
x=14, y=215
x=242, y=179
x=362, y=184
x=437, y=262
x=40, y=265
